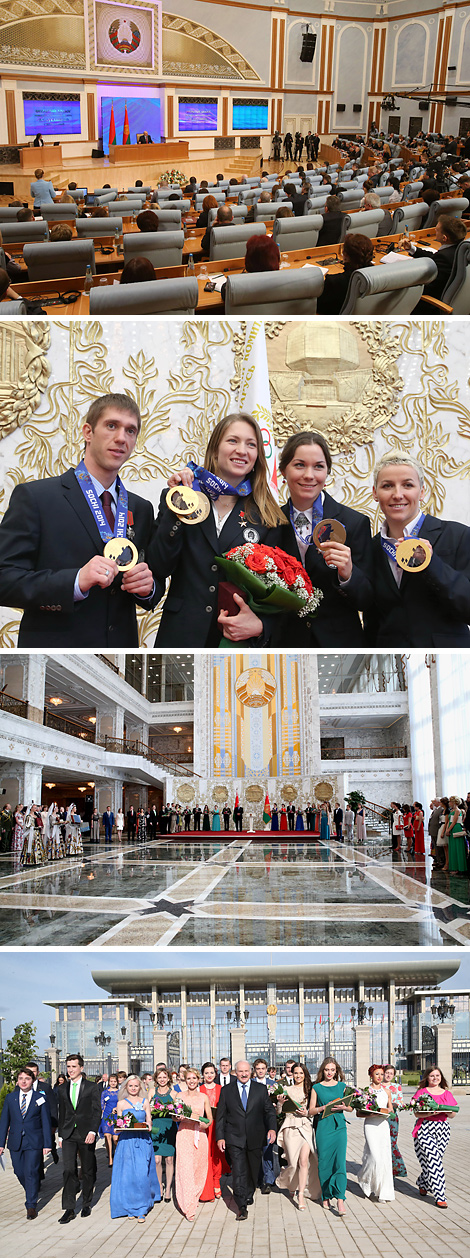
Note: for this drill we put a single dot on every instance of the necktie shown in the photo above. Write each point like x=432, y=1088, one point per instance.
x=74, y=1093
x=244, y=1096
x=107, y=502
x=23, y=1105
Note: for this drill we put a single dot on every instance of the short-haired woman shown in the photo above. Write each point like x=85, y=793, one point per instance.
x=358, y=252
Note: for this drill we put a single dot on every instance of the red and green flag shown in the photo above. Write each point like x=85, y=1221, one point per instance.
x=112, y=126
x=267, y=810
x=126, y=135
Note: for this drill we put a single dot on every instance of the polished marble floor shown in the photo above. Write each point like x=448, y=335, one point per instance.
x=232, y=892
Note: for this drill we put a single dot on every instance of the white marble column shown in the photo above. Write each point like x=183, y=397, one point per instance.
x=436, y=726
x=31, y=783
x=184, y=1023
x=124, y=1055
x=213, y=1021
x=444, y=1038
x=203, y=718
x=34, y=686
x=160, y=1051
x=363, y=1059
x=391, y=1021
x=237, y=1044
x=310, y=747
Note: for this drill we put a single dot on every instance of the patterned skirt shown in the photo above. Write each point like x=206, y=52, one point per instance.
x=398, y=1165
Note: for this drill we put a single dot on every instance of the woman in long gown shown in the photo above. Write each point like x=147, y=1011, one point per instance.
x=164, y=1130
x=331, y=1134
x=418, y=827
x=456, y=837
x=17, y=841
x=324, y=823
x=56, y=848
x=134, y=1183
x=217, y=1164
x=283, y=820
x=216, y=818
x=361, y=832
x=431, y=1137
x=141, y=826
x=274, y=818
x=109, y=1100
x=296, y=1139
x=299, y=820
x=376, y=1173
x=398, y=1165
x=408, y=828
x=192, y=1147
x=206, y=819
x=73, y=840
x=33, y=851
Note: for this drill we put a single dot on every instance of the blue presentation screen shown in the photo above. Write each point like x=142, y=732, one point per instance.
x=250, y=117
x=52, y=117
x=196, y=115
x=143, y=114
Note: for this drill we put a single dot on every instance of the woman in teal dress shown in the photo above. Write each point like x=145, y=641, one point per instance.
x=324, y=823
x=163, y=1131
x=457, y=838
x=331, y=1134
x=134, y=1183
x=216, y=818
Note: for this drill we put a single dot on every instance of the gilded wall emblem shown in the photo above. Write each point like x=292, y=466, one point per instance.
x=24, y=370
x=255, y=687
x=254, y=794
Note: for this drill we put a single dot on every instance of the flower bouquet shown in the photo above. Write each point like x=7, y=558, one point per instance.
x=177, y=1110
x=426, y=1106
x=290, y=1106
x=363, y=1101
x=124, y=1122
x=173, y=176
x=273, y=581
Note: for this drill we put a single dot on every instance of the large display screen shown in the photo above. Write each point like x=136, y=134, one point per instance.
x=250, y=117
x=197, y=115
x=143, y=114
x=52, y=117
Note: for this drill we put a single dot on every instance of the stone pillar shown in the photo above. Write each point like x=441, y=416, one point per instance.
x=237, y=1044
x=444, y=1040
x=436, y=728
x=203, y=718
x=391, y=1021
x=310, y=747
x=272, y=1023
x=301, y=1018
x=34, y=687
x=54, y=1055
x=31, y=783
x=331, y=1017
x=184, y=1023
x=160, y=1044
x=124, y=1055
x=213, y=1016
x=363, y=1057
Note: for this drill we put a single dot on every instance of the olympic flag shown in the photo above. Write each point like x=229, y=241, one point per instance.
x=254, y=396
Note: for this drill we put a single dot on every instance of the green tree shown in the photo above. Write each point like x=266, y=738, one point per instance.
x=19, y=1049
x=355, y=799
x=3, y=1093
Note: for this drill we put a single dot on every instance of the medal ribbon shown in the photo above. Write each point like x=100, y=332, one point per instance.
x=389, y=544
x=317, y=515
x=88, y=491
x=214, y=486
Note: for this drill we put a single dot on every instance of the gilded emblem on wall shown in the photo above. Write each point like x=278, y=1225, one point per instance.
x=324, y=791
x=255, y=687
x=24, y=370
x=288, y=793
x=185, y=794
x=220, y=794
x=254, y=794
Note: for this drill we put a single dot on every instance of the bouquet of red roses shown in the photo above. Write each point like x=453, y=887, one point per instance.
x=273, y=581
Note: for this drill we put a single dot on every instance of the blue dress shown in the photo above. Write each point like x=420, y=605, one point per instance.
x=216, y=819
x=299, y=821
x=324, y=827
x=134, y=1183
x=275, y=819
x=109, y=1100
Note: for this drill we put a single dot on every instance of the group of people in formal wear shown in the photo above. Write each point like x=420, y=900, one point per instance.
x=192, y=1131
x=448, y=827
x=366, y=594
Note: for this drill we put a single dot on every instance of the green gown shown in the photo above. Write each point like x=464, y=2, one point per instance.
x=331, y=1137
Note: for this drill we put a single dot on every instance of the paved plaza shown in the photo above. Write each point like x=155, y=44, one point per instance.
x=411, y=1226
x=241, y=892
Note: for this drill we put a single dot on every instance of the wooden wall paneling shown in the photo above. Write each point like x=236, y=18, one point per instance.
x=91, y=117
x=274, y=35
x=170, y=116
x=282, y=46
x=10, y=105
x=225, y=115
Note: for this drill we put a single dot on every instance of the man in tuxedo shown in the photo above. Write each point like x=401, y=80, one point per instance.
x=131, y=824
x=108, y=822
x=52, y=541
x=226, y=813
x=338, y=820
x=245, y=1122
x=238, y=818
x=79, y=1120
x=25, y=1125
x=225, y=1074
x=197, y=813
x=291, y=816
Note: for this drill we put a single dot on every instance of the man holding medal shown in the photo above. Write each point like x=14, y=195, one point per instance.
x=72, y=547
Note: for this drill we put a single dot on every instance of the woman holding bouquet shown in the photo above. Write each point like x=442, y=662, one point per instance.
x=217, y=1165
x=242, y=509
x=192, y=1148
x=341, y=570
x=376, y=1174
x=295, y=1138
x=163, y=1129
x=134, y=1183
x=431, y=1137
x=109, y=1100
x=398, y=1165
x=331, y=1134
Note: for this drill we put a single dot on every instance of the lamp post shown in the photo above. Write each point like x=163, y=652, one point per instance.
x=362, y=1012
x=103, y=1040
x=442, y=1011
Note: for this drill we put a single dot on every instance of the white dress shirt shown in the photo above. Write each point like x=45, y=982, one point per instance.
x=99, y=489
x=408, y=529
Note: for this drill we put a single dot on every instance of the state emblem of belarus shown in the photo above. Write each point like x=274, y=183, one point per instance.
x=124, y=35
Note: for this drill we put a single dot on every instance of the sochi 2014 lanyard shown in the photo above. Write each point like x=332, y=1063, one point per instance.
x=389, y=544
x=214, y=486
x=317, y=515
x=88, y=491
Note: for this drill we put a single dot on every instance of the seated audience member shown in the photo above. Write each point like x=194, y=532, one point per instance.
x=284, y=211
x=262, y=254
x=449, y=234
x=13, y=269
x=219, y=179
x=147, y=221
x=65, y=199
x=224, y=219
x=264, y=199
x=332, y=222
x=203, y=186
x=233, y=182
x=358, y=251
x=396, y=195
x=138, y=183
x=209, y=203
x=174, y=197
x=25, y=216
x=72, y=187
x=99, y=211
x=190, y=189
x=371, y=201
x=60, y=231
x=298, y=198
x=137, y=271
x=5, y=289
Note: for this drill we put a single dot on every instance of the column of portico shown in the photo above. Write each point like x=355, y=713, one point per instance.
x=109, y=724
x=34, y=686
x=310, y=746
x=436, y=725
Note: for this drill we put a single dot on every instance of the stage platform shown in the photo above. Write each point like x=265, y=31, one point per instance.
x=91, y=174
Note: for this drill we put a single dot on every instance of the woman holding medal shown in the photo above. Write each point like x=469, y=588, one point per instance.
x=334, y=544
x=421, y=565
x=233, y=505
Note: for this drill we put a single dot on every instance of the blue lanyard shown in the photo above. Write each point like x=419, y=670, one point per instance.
x=389, y=544
x=88, y=491
x=214, y=486
x=317, y=515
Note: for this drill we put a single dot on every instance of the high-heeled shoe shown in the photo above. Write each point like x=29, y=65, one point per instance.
x=326, y=1205
x=301, y=1205
x=341, y=1207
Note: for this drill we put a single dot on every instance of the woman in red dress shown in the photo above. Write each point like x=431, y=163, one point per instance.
x=217, y=1165
x=408, y=827
x=418, y=827
x=283, y=820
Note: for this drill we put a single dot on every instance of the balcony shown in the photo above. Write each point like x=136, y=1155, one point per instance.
x=397, y=751
x=8, y=703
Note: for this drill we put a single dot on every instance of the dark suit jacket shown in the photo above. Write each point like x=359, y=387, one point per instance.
x=76, y=1123
x=31, y=1132
x=334, y=293
x=186, y=554
x=444, y=259
x=47, y=534
x=145, y=139
x=43, y=1085
x=429, y=608
x=337, y=621
x=330, y=233
x=245, y=1129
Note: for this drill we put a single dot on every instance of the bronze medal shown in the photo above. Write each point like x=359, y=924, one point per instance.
x=329, y=531
x=414, y=554
x=123, y=551
x=189, y=505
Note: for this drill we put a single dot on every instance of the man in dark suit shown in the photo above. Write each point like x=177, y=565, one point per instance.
x=238, y=817
x=43, y=1085
x=108, y=822
x=197, y=813
x=51, y=543
x=338, y=820
x=245, y=1122
x=79, y=1120
x=145, y=138
x=25, y=1125
x=131, y=824
x=226, y=813
x=291, y=816
x=449, y=234
x=225, y=1074
x=330, y=233
x=224, y=218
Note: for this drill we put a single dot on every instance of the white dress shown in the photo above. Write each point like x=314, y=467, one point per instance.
x=376, y=1174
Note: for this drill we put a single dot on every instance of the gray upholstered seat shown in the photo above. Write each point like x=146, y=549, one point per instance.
x=57, y=260
x=230, y=242
x=9, y=308
x=453, y=206
x=457, y=290
x=412, y=190
x=89, y=228
x=144, y=190
x=25, y=231
x=239, y=213
x=394, y=288
x=178, y=296
x=107, y=197
x=315, y=204
x=58, y=213
x=366, y=222
x=274, y=292
x=8, y=213
x=127, y=209
x=164, y=193
x=78, y=194
x=409, y=217
x=218, y=194
x=169, y=220
x=297, y=233
x=101, y=192
x=264, y=211
x=161, y=248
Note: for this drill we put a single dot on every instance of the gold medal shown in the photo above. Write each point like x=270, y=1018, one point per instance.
x=329, y=531
x=189, y=505
x=414, y=554
x=123, y=551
